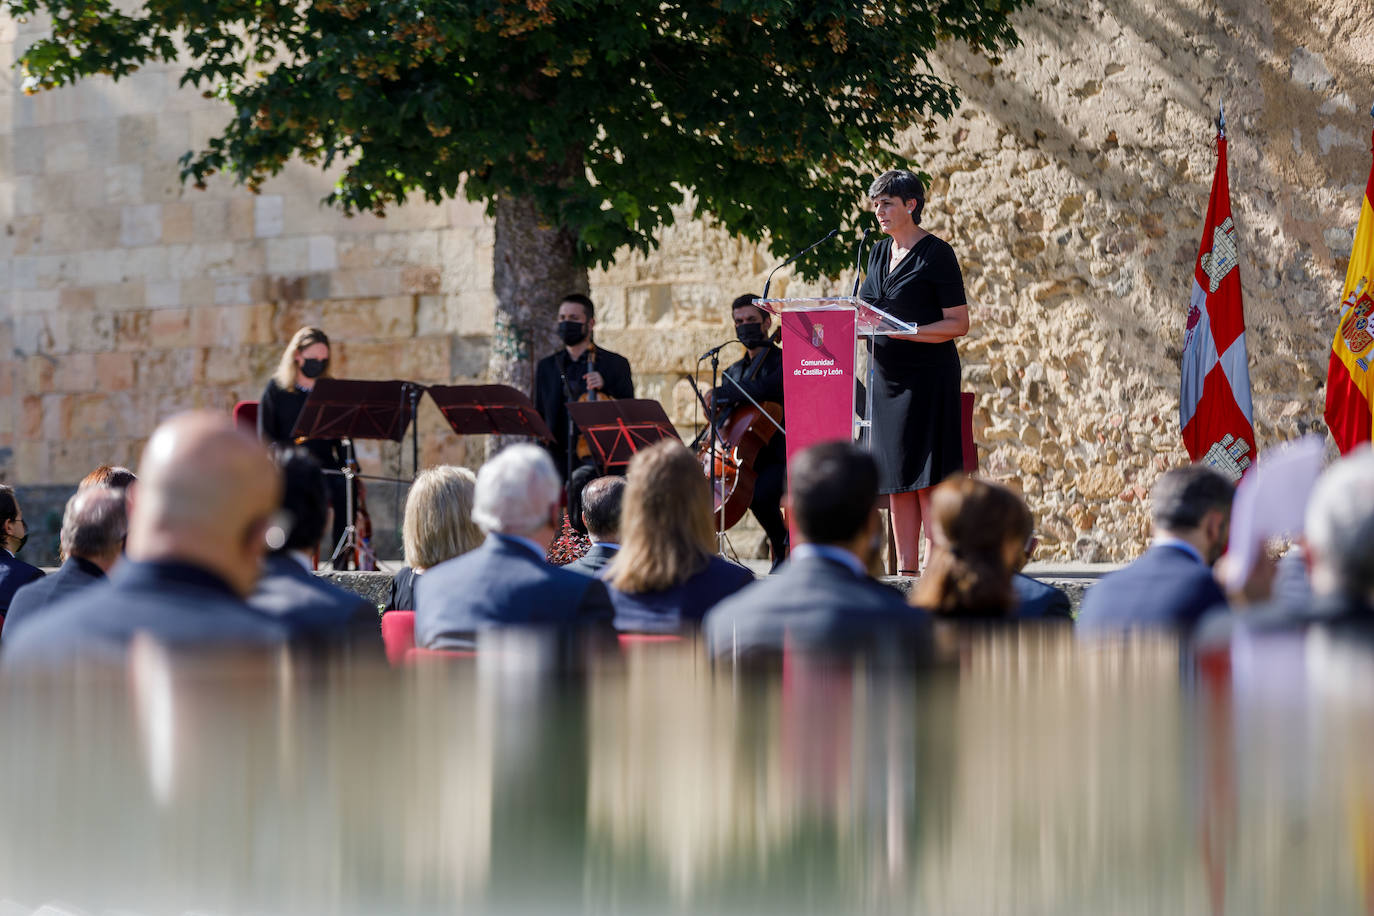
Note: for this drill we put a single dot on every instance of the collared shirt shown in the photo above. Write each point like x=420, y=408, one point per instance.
x=611, y=544
x=303, y=559
x=1164, y=540
x=832, y=553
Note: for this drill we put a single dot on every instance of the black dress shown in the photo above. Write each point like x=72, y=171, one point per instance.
x=917, y=441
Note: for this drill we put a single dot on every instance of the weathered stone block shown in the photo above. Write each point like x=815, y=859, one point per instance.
x=268, y=216
x=168, y=328
x=114, y=371
x=363, y=319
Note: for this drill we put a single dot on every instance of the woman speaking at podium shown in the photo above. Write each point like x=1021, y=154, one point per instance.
x=305, y=359
x=916, y=426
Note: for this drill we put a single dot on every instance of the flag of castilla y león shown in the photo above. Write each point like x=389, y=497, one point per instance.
x=1214, y=406
x=1349, y=382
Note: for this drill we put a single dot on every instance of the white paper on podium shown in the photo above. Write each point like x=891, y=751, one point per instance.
x=1271, y=502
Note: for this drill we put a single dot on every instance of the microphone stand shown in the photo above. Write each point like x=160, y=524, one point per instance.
x=714, y=355
x=349, y=537
x=568, y=457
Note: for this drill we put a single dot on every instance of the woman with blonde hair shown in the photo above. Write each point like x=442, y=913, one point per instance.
x=666, y=575
x=438, y=526
x=305, y=359
x=980, y=533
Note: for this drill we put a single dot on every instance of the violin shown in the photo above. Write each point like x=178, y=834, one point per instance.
x=584, y=451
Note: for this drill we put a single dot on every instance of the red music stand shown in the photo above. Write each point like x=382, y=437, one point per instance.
x=347, y=409
x=615, y=430
x=485, y=409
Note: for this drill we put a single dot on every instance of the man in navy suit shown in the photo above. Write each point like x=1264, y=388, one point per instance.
x=601, y=515
x=94, y=526
x=507, y=582
x=822, y=598
x=1171, y=585
x=1036, y=600
x=14, y=531
x=318, y=614
x=198, y=518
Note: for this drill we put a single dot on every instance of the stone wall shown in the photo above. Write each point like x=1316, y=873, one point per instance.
x=1072, y=184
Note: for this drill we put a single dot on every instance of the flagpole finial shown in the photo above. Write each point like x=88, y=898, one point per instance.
x=1221, y=117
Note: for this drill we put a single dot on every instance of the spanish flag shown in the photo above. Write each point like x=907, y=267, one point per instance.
x=1349, y=382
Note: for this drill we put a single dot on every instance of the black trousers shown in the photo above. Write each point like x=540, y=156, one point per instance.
x=767, y=507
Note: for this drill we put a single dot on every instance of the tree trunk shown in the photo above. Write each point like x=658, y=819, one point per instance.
x=534, y=267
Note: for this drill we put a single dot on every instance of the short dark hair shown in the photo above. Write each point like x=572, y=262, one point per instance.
x=1184, y=495
x=95, y=522
x=834, y=487
x=9, y=506
x=747, y=301
x=581, y=300
x=303, y=497
x=601, y=501
x=902, y=184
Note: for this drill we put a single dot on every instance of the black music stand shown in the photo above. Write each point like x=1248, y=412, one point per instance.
x=615, y=430
x=489, y=409
x=349, y=409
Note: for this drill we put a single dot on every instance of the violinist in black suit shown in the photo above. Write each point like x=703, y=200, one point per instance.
x=580, y=368
x=760, y=374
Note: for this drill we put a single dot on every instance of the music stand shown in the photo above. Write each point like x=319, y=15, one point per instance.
x=615, y=430
x=349, y=409
x=489, y=409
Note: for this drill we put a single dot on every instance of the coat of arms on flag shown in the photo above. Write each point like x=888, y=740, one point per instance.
x=1349, y=383
x=1214, y=407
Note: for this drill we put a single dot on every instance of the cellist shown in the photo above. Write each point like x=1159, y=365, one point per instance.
x=760, y=374
x=579, y=368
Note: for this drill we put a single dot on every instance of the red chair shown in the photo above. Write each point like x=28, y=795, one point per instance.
x=398, y=633
x=423, y=656
x=246, y=416
x=966, y=402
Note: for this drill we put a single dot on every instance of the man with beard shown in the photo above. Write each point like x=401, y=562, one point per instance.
x=580, y=368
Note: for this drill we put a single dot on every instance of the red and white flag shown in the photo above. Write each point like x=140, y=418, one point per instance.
x=1214, y=404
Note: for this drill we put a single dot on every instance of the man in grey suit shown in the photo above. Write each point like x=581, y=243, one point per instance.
x=94, y=525
x=601, y=514
x=822, y=598
x=508, y=582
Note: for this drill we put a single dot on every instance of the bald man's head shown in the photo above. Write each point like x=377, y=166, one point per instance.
x=204, y=495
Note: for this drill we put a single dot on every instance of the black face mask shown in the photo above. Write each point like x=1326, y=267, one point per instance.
x=22, y=541
x=572, y=332
x=751, y=335
x=314, y=368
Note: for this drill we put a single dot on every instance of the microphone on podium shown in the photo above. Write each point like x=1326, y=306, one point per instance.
x=858, y=262
x=769, y=281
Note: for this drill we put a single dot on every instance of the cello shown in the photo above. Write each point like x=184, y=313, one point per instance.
x=742, y=432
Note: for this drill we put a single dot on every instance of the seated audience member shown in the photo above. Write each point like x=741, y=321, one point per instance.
x=197, y=522
x=666, y=575
x=438, y=526
x=601, y=501
x=94, y=526
x=507, y=581
x=14, y=531
x=980, y=534
x=1339, y=529
x=822, y=597
x=1171, y=585
x=318, y=614
x=108, y=475
x=1036, y=600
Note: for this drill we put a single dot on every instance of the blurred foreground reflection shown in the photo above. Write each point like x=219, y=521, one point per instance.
x=1033, y=775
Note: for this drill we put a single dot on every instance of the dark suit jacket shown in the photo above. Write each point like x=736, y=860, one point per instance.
x=814, y=603
x=1167, y=587
x=1342, y=616
x=317, y=613
x=14, y=575
x=179, y=605
x=551, y=398
x=594, y=560
x=502, y=583
x=674, y=609
x=71, y=577
x=1038, y=601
